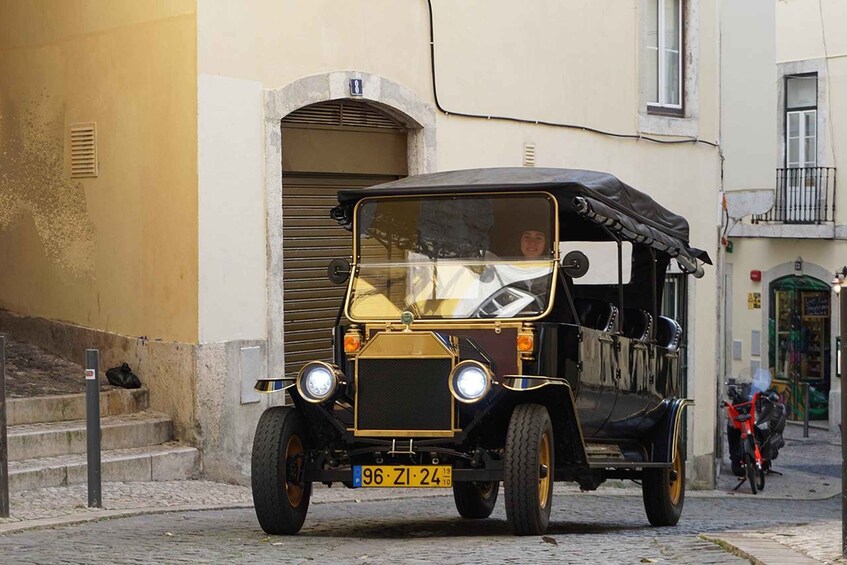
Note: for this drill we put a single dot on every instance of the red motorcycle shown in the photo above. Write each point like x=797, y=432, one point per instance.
x=754, y=432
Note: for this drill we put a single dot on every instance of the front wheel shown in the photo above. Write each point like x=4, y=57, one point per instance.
x=663, y=491
x=750, y=466
x=528, y=470
x=475, y=500
x=280, y=496
x=755, y=475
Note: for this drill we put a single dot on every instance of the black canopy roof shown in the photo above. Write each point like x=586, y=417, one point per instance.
x=599, y=197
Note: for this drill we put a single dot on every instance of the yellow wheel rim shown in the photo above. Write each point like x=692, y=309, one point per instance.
x=676, y=484
x=544, y=460
x=293, y=491
x=485, y=489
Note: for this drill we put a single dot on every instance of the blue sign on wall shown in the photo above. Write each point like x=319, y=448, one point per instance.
x=355, y=87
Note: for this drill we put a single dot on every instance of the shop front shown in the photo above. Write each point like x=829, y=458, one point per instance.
x=799, y=344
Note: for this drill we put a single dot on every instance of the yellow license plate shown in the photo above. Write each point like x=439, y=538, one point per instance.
x=382, y=476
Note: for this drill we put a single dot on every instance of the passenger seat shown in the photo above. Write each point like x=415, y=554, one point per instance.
x=596, y=314
x=637, y=324
x=668, y=333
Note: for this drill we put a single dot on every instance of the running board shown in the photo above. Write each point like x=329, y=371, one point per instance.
x=603, y=451
x=618, y=464
x=610, y=456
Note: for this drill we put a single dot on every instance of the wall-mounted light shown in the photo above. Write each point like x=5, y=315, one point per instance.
x=839, y=281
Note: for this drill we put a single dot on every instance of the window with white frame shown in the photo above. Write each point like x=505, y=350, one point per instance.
x=801, y=114
x=664, y=55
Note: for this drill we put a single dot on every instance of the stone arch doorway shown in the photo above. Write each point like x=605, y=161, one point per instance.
x=326, y=147
x=284, y=168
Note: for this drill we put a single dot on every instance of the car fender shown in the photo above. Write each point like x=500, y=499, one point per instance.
x=556, y=395
x=666, y=432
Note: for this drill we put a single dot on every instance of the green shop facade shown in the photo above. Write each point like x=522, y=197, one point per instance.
x=800, y=343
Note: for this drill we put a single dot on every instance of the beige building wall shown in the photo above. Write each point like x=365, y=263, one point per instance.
x=117, y=252
x=809, y=39
x=107, y=262
x=748, y=94
x=775, y=258
x=565, y=62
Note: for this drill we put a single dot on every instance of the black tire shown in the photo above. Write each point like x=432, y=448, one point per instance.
x=750, y=466
x=278, y=454
x=663, y=491
x=760, y=479
x=528, y=489
x=475, y=500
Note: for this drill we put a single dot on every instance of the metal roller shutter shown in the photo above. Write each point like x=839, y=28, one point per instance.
x=310, y=241
x=326, y=147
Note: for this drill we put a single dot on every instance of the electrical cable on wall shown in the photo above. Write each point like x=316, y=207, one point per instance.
x=540, y=122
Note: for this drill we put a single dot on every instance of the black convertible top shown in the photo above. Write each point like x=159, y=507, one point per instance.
x=599, y=197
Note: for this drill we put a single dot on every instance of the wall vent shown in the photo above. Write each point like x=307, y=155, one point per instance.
x=343, y=113
x=83, y=150
x=528, y=154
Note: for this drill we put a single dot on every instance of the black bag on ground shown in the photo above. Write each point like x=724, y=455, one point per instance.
x=123, y=377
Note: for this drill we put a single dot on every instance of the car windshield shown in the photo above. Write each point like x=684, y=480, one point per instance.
x=453, y=257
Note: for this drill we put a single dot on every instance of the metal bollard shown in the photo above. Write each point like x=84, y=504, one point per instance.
x=4, y=439
x=92, y=425
x=806, y=410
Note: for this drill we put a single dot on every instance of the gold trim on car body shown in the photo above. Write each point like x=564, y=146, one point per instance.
x=555, y=258
x=489, y=380
x=372, y=330
x=380, y=346
x=684, y=403
x=521, y=383
x=337, y=373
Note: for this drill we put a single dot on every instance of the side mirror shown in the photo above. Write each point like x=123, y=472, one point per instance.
x=575, y=264
x=338, y=271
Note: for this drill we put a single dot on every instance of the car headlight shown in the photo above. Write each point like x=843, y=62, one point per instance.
x=470, y=381
x=318, y=381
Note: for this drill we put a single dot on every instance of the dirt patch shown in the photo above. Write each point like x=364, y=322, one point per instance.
x=32, y=371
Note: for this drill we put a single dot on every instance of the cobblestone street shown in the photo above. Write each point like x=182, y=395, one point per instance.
x=591, y=528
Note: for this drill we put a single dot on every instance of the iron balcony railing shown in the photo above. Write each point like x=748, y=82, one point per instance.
x=804, y=195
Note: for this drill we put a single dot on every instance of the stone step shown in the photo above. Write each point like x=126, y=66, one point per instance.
x=48, y=439
x=167, y=462
x=58, y=408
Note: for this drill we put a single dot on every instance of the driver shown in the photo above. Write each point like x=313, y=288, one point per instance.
x=533, y=243
x=534, y=246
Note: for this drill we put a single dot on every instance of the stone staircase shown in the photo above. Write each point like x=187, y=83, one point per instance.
x=47, y=441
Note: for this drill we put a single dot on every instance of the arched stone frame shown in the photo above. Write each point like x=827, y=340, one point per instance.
x=393, y=98
x=823, y=275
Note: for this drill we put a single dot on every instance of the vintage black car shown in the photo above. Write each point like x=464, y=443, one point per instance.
x=499, y=326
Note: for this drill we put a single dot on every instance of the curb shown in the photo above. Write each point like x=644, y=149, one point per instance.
x=759, y=551
x=97, y=515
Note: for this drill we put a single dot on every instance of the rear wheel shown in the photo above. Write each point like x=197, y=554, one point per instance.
x=280, y=496
x=663, y=491
x=528, y=470
x=475, y=500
